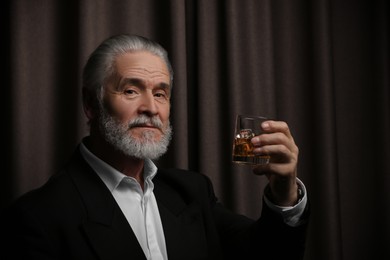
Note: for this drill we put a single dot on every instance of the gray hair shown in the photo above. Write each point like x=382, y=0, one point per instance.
x=100, y=64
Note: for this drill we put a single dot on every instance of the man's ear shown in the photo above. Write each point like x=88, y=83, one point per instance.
x=89, y=104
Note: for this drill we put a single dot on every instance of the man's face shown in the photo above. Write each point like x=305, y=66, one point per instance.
x=136, y=105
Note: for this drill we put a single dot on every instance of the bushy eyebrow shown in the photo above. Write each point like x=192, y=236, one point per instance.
x=141, y=83
x=132, y=81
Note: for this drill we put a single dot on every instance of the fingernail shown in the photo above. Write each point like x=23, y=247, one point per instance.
x=265, y=125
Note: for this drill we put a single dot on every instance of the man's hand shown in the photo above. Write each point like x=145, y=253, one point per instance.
x=281, y=171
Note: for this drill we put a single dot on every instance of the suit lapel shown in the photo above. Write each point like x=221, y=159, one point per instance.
x=106, y=227
x=181, y=220
x=111, y=236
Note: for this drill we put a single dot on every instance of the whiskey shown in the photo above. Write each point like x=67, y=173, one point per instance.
x=243, y=149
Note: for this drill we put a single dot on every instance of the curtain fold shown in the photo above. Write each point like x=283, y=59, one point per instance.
x=322, y=66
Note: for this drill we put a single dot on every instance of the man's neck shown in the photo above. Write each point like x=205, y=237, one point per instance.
x=130, y=166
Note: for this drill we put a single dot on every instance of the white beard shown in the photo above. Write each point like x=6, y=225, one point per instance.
x=118, y=135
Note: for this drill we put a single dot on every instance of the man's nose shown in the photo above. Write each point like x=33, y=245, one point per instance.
x=148, y=104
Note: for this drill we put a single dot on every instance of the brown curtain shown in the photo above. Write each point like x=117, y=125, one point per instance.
x=321, y=65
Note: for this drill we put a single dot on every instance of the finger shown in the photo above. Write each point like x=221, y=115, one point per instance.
x=274, y=139
x=271, y=126
x=278, y=153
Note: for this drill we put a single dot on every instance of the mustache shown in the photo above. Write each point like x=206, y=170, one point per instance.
x=143, y=120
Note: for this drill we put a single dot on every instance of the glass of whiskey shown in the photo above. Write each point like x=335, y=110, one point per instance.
x=246, y=128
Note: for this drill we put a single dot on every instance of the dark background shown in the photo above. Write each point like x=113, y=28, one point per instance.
x=322, y=66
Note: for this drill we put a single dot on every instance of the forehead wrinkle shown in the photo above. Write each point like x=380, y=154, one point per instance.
x=143, y=76
x=143, y=65
x=151, y=72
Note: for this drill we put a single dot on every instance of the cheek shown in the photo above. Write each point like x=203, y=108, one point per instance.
x=165, y=115
x=120, y=110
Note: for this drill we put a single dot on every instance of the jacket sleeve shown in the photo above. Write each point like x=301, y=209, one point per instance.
x=24, y=239
x=266, y=238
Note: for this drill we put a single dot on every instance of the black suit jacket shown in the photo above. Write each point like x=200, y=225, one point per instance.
x=74, y=216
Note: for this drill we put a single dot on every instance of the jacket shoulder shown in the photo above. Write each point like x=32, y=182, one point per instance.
x=189, y=185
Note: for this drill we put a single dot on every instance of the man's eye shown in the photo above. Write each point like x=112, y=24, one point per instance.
x=130, y=92
x=161, y=96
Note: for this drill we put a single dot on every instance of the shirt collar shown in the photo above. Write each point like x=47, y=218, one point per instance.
x=110, y=176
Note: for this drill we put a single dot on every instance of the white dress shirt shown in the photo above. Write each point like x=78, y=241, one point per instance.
x=139, y=206
x=291, y=215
